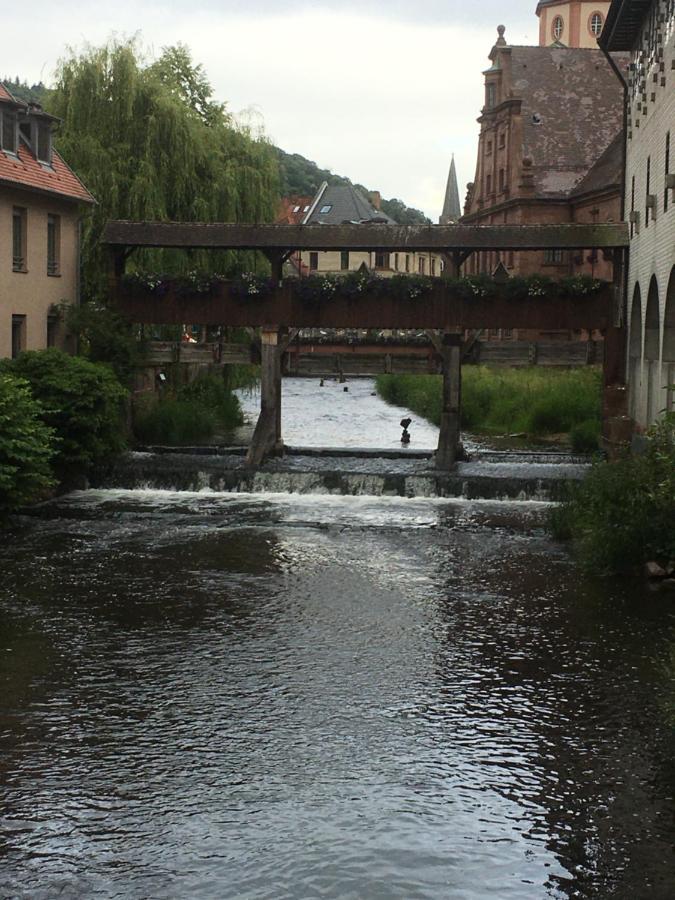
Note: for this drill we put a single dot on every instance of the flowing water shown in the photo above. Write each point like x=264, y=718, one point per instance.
x=217, y=695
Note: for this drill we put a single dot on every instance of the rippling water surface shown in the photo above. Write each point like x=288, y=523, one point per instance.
x=210, y=695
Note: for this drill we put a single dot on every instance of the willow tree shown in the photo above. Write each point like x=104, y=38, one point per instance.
x=150, y=143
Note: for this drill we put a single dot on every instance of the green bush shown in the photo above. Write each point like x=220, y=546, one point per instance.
x=82, y=401
x=26, y=446
x=189, y=416
x=174, y=422
x=622, y=514
x=585, y=437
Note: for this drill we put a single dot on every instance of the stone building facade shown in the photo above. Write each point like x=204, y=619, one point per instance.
x=647, y=31
x=548, y=152
x=40, y=204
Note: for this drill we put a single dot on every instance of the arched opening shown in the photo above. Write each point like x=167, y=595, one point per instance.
x=668, y=366
x=635, y=354
x=651, y=370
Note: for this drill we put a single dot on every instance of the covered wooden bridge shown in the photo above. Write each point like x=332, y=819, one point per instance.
x=443, y=312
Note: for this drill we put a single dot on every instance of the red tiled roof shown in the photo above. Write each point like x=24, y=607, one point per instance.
x=25, y=171
x=287, y=214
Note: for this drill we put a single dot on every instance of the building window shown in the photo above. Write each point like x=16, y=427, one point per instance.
x=381, y=260
x=344, y=260
x=488, y=150
x=632, y=204
x=488, y=184
x=313, y=261
x=407, y=262
x=502, y=140
x=557, y=28
x=667, y=170
x=19, y=217
x=421, y=264
x=649, y=178
x=18, y=335
x=490, y=95
x=326, y=209
x=595, y=24
x=53, y=245
x=9, y=138
x=433, y=266
x=501, y=179
x=396, y=261
x=296, y=209
x=554, y=257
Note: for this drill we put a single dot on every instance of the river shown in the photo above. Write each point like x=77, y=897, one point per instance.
x=214, y=695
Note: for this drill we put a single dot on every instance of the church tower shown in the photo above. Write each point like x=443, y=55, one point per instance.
x=451, y=208
x=574, y=23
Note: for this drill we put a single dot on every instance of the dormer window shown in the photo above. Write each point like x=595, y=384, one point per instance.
x=9, y=136
x=43, y=149
x=490, y=95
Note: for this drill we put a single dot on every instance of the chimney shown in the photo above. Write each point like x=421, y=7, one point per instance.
x=376, y=199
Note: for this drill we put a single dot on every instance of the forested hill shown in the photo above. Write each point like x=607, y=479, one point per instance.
x=298, y=175
x=302, y=176
x=23, y=91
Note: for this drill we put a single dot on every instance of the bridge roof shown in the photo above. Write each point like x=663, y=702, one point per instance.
x=439, y=238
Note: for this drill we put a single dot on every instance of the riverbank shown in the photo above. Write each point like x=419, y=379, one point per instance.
x=535, y=402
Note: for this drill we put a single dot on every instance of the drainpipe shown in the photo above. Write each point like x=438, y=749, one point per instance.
x=624, y=86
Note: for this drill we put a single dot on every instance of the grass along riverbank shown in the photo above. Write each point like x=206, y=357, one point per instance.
x=533, y=401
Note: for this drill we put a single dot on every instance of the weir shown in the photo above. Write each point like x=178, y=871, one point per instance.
x=444, y=313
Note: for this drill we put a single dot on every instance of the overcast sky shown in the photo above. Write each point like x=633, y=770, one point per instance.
x=383, y=91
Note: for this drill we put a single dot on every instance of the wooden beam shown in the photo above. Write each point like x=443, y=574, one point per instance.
x=440, y=238
x=267, y=434
x=448, y=437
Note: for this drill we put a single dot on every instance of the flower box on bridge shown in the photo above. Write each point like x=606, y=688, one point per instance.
x=443, y=305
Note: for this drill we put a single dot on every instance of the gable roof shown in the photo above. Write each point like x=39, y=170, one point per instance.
x=607, y=171
x=293, y=209
x=23, y=170
x=347, y=204
x=572, y=103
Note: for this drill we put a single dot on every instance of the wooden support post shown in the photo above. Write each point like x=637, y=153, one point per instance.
x=267, y=435
x=448, y=439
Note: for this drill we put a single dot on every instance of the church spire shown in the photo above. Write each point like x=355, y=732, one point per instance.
x=451, y=208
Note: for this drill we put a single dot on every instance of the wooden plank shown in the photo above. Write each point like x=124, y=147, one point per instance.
x=442, y=238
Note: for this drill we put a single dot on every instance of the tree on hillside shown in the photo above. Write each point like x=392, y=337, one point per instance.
x=35, y=93
x=151, y=144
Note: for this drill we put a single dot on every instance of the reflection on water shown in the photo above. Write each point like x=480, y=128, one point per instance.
x=212, y=695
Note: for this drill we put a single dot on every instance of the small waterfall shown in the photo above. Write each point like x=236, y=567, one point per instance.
x=351, y=476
